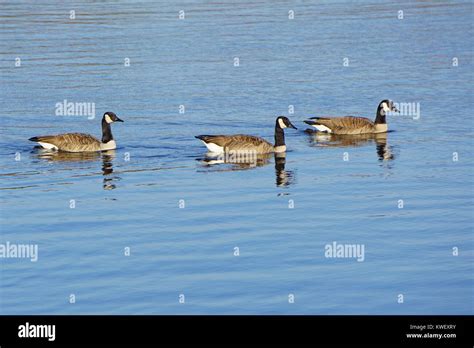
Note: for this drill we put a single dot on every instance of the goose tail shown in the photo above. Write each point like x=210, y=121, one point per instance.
x=203, y=137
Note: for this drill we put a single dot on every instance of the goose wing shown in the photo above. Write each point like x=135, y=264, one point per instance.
x=71, y=142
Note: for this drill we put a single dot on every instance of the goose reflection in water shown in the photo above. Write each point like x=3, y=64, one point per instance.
x=226, y=162
x=108, y=169
x=107, y=157
x=283, y=177
x=383, y=150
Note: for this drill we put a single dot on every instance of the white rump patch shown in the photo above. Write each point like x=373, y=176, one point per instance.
x=48, y=146
x=213, y=147
x=281, y=123
x=322, y=128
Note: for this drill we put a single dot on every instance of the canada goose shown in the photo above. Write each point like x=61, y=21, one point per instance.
x=80, y=142
x=352, y=124
x=241, y=142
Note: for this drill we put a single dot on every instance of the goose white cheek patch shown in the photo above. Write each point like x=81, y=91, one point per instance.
x=385, y=107
x=281, y=123
x=108, y=119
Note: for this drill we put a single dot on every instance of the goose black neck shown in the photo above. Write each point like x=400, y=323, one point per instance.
x=106, y=132
x=279, y=135
x=380, y=118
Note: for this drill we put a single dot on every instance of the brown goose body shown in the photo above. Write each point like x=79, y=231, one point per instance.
x=248, y=143
x=80, y=142
x=348, y=125
x=352, y=125
x=70, y=142
x=238, y=142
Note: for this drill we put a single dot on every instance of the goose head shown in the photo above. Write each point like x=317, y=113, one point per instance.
x=283, y=122
x=110, y=117
x=386, y=106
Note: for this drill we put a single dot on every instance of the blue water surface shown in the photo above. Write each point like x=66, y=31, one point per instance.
x=237, y=238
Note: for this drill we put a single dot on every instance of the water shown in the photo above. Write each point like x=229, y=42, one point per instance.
x=135, y=204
